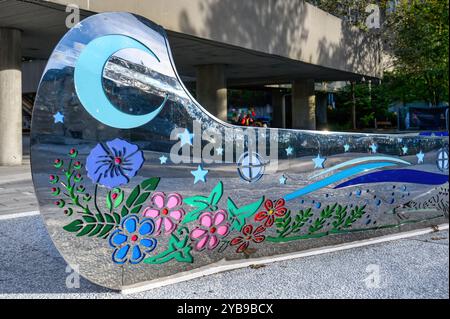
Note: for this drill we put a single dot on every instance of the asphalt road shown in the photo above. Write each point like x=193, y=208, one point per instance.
x=417, y=267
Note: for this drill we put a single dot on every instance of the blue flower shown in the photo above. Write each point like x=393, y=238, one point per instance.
x=132, y=240
x=114, y=164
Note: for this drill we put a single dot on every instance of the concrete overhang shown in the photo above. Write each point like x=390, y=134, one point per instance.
x=260, y=41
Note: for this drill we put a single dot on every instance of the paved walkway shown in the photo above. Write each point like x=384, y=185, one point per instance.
x=30, y=266
x=417, y=267
x=16, y=189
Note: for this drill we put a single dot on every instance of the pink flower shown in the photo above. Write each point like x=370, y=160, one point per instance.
x=213, y=226
x=165, y=210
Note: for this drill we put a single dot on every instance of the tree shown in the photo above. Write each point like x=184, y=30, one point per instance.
x=414, y=34
x=419, y=43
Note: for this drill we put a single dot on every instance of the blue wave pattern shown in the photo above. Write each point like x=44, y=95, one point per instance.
x=361, y=160
x=398, y=176
x=336, y=178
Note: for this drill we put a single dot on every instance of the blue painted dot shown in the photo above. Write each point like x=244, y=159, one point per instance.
x=404, y=187
x=327, y=195
x=378, y=202
x=350, y=194
x=392, y=201
x=302, y=201
x=393, y=187
x=358, y=192
x=318, y=205
x=368, y=222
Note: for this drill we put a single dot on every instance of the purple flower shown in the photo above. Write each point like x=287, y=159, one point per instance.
x=114, y=164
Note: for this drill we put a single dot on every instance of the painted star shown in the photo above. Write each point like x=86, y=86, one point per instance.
x=318, y=161
x=186, y=137
x=59, y=118
x=163, y=159
x=289, y=151
x=199, y=174
x=405, y=150
x=283, y=180
x=219, y=151
x=373, y=147
x=420, y=157
x=346, y=148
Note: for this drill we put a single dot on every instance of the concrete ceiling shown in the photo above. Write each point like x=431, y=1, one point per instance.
x=43, y=24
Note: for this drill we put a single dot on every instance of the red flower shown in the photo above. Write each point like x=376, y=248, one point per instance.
x=248, y=235
x=273, y=208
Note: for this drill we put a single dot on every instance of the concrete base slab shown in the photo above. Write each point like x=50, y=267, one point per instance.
x=225, y=265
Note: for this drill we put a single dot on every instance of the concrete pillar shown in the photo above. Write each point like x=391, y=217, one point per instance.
x=279, y=110
x=303, y=105
x=10, y=97
x=212, y=89
x=321, y=111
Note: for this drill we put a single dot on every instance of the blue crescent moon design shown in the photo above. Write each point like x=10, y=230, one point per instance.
x=88, y=81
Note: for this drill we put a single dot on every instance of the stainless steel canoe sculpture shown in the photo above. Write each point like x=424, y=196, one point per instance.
x=137, y=182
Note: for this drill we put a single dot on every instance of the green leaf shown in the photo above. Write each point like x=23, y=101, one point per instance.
x=98, y=225
x=108, y=201
x=150, y=184
x=133, y=195
x=116, y=218
x=86, y=229
x=74, y=226
x=142, y=198
x=202, y=203
x=138, y=196
x=179, y=249
x=239, y=215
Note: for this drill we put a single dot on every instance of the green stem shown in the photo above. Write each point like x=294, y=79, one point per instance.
x=71, y=189
x=95, y=199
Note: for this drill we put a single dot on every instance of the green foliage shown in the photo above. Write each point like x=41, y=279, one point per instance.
x=420, y=46
x=285, y=226
x=179, y=249
x=114, y=198
x=138, y=196
x=289, y=227
x=238, y=215
x=415, y=40
x=202, y=203
x=98, y=225
x=319, y=222
x=355, y=214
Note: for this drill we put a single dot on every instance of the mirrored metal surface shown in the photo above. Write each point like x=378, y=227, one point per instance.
x=137, y=182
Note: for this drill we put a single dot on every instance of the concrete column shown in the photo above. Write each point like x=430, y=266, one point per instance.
x=303, y=105
x=212, y=89
x=321, y=111
x=279, y=110
x=10, y=97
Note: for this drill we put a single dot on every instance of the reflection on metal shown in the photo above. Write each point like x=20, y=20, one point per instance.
x=117, y=203
x=88, y=81
x=442, y=160
x=250, y=167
